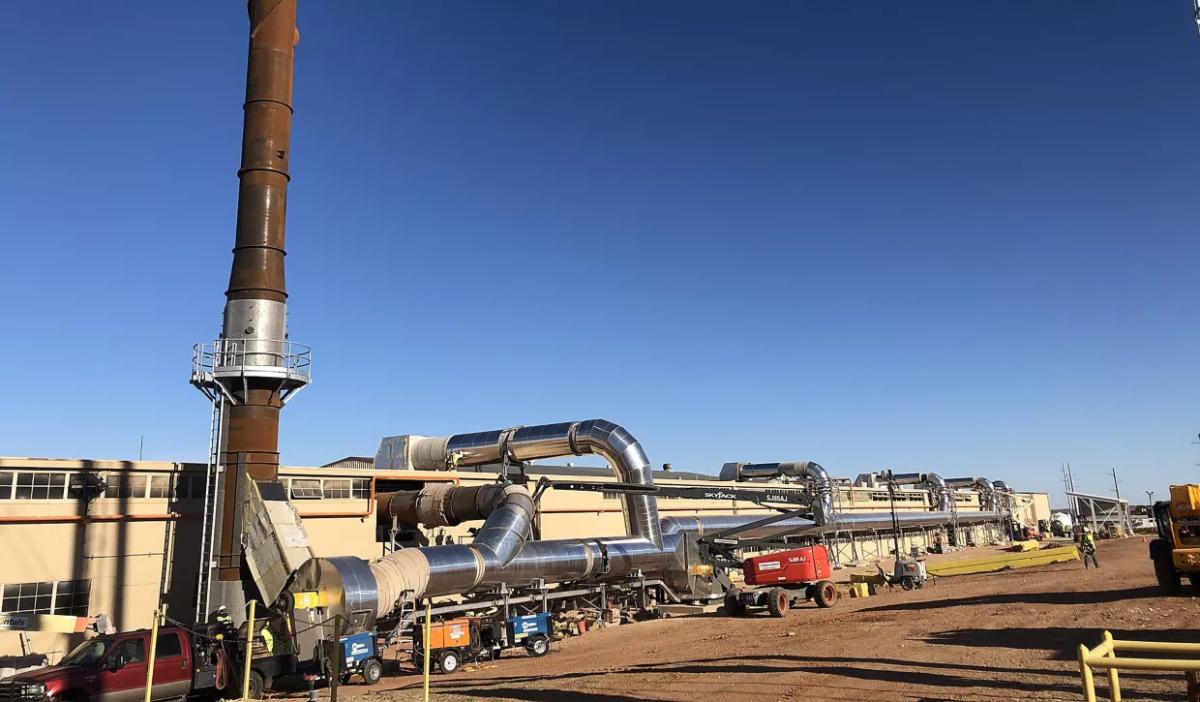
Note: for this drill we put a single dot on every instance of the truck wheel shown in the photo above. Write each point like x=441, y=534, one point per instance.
x=257, y=685
x=734, y=606
x=826, y=594
x=448, y=661
x=1194, y=581
x=538, y=646
x=372, y=671
x=777, y=601
x=1164, y=568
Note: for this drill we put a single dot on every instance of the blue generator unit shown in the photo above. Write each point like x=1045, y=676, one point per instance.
x=531, y=631
x=359, y=658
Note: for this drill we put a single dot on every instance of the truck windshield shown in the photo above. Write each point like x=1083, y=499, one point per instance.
x=87, y=652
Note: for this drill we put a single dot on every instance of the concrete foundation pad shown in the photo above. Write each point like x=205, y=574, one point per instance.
x=683, y=610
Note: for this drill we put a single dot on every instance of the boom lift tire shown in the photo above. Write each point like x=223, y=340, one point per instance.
x=825, y=593
x=1194, y=581
x=734, y=606
x=778, y=600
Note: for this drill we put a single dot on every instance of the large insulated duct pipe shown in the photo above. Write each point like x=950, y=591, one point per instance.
x=1009, y=500
x=595, y=436
x=255, y=319
x=818, y=479
x=881, y=521
x=939, y=492
x=987, y=491
x=507, y=511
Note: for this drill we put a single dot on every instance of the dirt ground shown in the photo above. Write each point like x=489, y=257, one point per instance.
x=1001, y=636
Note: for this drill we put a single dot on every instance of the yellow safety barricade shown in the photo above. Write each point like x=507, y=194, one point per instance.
x=1105, y=656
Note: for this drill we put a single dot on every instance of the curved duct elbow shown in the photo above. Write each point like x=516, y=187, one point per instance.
x=507, y=511
x=594, y=436
x=940, y=497
x=821, y=484
x=988, y=493
x=1006, y=495
x=939, y=493
x=819, y=481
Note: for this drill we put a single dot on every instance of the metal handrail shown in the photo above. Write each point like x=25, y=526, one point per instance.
x=1105, y=656
x=229, y=354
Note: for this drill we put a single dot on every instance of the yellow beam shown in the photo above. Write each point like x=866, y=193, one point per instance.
x=1004, y=561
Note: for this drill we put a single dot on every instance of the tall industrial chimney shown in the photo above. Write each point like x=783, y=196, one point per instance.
x=252, y=369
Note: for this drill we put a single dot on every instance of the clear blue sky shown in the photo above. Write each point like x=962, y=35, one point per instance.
x=944, y=236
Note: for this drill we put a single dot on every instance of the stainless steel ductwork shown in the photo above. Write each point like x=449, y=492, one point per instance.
x=1006, y=494
x=939, y=493
x=880, y=521
x=987, y=491
x=820, y=484
x=507, y=511
x=500, y=553
x=594, y=436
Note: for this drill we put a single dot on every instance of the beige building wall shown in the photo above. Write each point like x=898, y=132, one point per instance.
x=138, y=544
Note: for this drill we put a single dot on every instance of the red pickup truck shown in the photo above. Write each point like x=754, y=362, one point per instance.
x=113, y=669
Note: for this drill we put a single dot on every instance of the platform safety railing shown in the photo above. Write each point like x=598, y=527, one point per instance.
x=1105, y=657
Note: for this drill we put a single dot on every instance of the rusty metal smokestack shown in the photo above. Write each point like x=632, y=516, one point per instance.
x=256, y=301
x=252, y=369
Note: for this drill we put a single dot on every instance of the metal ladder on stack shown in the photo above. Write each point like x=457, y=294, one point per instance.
x=212, y=481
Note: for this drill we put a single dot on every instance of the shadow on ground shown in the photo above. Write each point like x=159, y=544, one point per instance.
x=976, y=680
x=1050, y=598
x=1063, y=641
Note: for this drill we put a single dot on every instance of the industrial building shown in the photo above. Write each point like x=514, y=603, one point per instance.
x=84, y=537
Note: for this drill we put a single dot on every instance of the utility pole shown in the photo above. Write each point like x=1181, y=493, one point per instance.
x=1116, y=483
x=1069, y=482
x=1150, y=500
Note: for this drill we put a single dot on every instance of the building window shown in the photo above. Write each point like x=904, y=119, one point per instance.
x=160, y=486
x=72, y=597
x=6, y=483
x=40, y=486
x=360, y=488
x=337, y=489
x=306, y=489
x=125, y=486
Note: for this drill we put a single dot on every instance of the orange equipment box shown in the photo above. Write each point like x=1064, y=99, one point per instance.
x=455, y=633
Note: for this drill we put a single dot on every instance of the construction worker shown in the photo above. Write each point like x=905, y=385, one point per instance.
x=1087, y=545
x=268, y=640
